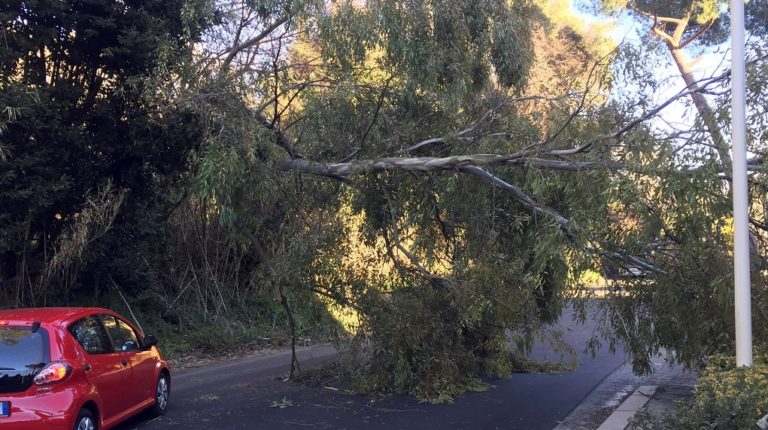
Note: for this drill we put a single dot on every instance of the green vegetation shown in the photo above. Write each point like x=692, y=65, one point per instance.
x=442, y=175
x=726, y=397
x=683, y=222
x=248, y=326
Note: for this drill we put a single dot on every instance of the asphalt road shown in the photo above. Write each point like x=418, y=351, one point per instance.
x=245, y=394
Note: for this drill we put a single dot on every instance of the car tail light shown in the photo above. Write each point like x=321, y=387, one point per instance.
x=52, y=373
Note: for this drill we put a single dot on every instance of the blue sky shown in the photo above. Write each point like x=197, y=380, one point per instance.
x=710, y=62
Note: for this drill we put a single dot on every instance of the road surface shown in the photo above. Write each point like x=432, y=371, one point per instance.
x=246, y=394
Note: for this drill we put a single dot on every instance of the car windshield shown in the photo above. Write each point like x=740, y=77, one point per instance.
x=23, y=353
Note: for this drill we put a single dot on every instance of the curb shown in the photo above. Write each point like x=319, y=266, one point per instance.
x=619, y=419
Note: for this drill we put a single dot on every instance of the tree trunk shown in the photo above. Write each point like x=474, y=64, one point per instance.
x=262, y=254
x=292, y=325
x=702, y=106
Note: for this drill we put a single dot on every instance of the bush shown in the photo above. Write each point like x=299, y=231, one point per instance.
x=256, y=322
x=726, y=397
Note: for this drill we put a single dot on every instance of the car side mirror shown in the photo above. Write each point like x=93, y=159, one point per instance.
x=149, y=341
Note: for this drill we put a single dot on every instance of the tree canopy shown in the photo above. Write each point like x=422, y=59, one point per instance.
x=444, y=173
x=78, y=82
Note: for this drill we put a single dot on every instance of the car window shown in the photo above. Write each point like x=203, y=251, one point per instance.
x=20, y=347
x=123, y=336
x=23, y=352
x=91, y=335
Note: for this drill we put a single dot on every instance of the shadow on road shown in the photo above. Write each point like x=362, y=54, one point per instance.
x=246, y=395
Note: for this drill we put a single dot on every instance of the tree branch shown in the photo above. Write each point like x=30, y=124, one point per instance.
x=252, y=42
x=520, y=196
x=427, y=164
x=703, y=29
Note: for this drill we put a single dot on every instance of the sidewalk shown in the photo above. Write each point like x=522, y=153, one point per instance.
x=612, y=403
x=666, y=397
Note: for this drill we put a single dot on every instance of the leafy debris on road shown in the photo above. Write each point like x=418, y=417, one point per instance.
x=282, y=404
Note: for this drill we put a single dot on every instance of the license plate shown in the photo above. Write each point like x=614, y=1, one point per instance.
x=5, y=409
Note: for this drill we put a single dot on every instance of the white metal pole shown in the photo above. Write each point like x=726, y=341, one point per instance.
x=743, y=297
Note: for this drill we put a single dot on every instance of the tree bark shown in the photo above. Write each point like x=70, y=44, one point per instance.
x=702, y=106
x=675, y=45
x=427, y=164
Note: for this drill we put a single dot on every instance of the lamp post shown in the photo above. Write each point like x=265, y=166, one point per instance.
x=743, y=297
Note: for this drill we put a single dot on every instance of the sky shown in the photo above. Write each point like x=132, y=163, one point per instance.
x=710, y=62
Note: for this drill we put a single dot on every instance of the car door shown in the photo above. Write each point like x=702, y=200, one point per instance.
x=142, y=362
x=105, y=369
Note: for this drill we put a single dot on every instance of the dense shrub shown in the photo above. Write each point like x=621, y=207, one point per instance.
x=725, y=398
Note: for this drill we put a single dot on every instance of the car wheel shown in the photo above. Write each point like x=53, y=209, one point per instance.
x=86, y=421
x=162, y=393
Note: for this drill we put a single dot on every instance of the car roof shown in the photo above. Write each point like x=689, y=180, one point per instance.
x=51, y=315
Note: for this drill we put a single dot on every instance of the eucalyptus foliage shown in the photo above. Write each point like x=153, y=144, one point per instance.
x=680, y=216
x=437, y=269
x=440, y=173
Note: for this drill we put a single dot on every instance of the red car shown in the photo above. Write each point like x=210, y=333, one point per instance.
x=77, y=368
